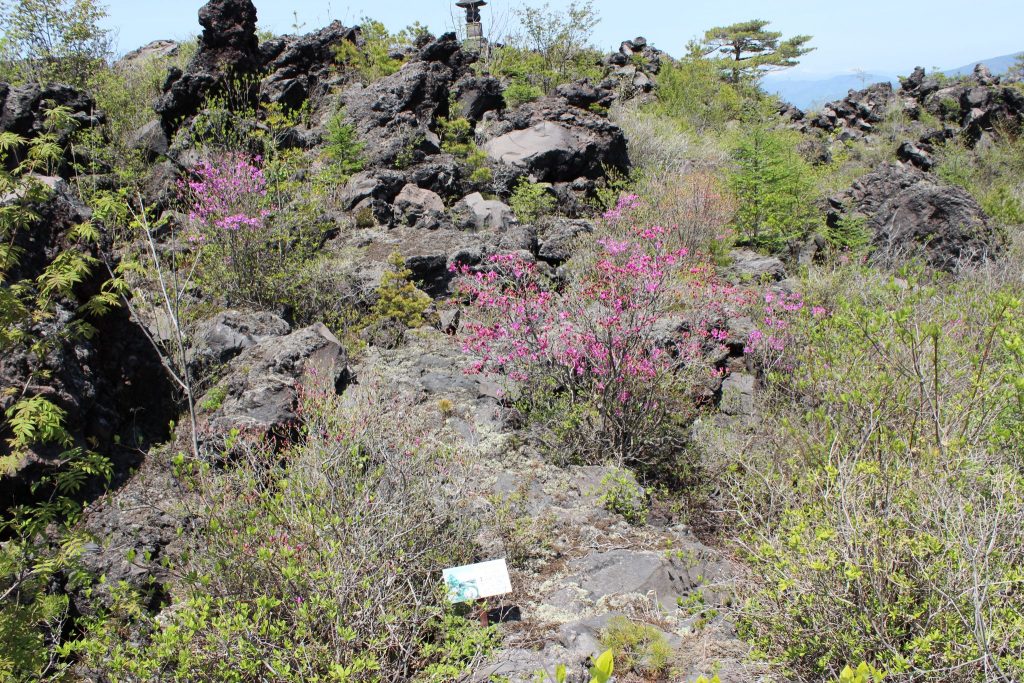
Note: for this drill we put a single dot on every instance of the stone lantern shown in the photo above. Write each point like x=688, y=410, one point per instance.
x=474, y=28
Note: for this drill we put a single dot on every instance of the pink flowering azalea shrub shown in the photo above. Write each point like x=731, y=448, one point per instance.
x=227, y=194
x=226, y=199
x=780, y=320
x=607, y=361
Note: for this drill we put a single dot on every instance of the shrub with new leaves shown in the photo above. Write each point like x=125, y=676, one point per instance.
x=880, y=503
x=775, y=188
x=318, y=561
x=53, y=40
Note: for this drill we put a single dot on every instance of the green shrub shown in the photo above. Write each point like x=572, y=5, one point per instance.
x=637, y=647
x=621, y=494
x=372, y=60
x=692, y=92
x=457, y=136
x=881, y=499
x=548, y=49
x=214, y=399
x=47, y=41
x=321, y=561
x=343, y=149
x=398, y=298
x=850, y=233
x=1004, y=206
x=530, y=201
x=993, y=174
x=457, y=139
x=519, y=92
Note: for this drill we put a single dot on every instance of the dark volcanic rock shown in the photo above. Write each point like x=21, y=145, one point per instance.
x=917, y=154
x=111, y=386
x=299, y=66
x=394, y=115
x=151, y=140
x=23, y=111
x=978, y=105
x=632, y=70
x=912, y=211
x=560, y=237
x=228, y=48
x=857, y=114
x=229, y=333
x=477, y=95
x=260, y=387
x=381, y=185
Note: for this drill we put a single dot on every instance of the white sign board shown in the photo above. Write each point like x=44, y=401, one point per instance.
x=477, y=581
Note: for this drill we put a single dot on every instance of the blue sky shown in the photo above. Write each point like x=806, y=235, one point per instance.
x=874, y=35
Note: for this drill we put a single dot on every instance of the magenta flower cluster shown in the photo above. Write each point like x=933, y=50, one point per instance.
x=774, y=334
x=227, y=193
x=597, y=338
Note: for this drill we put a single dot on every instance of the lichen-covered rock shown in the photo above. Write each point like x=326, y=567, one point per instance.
x=474, y=212
x=416, y=206
x=229, y=333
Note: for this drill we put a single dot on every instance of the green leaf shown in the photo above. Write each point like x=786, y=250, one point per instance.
x=603, y=668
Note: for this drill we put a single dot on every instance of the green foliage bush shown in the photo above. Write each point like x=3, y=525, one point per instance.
x=881, y=501
x=637, y=647
x=530, y=201
x=991, y=173
x=457, y=139
x=398, y=298
x=692, y=92
x=621, y=494
x=372, y=60
x=851, y=233
x=549, y=48
x=318, y=562
x=46, y=41
x=343, y=149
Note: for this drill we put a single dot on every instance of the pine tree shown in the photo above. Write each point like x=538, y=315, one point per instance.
x=746, y=50
x=775, y=189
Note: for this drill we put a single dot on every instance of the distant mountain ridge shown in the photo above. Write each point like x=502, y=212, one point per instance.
x=997, y=65
x=809, y=93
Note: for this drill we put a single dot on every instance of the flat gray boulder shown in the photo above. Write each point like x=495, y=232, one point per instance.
x=477, y=213
x=627, y=572
x=534, y=146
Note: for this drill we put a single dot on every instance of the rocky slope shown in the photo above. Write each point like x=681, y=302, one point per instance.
x=592, y=564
